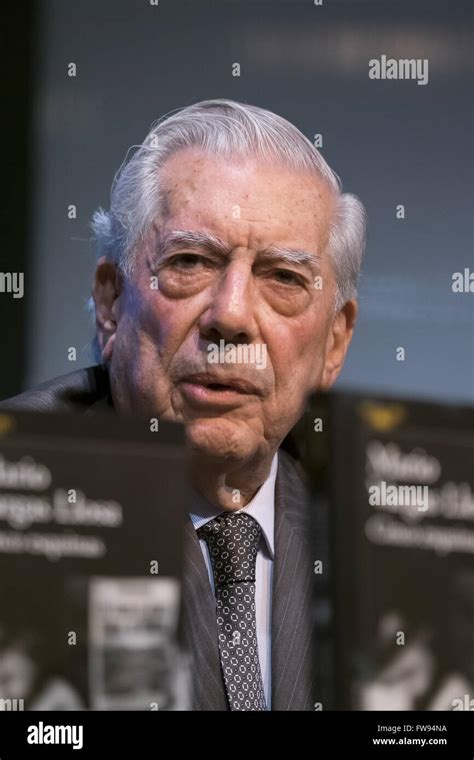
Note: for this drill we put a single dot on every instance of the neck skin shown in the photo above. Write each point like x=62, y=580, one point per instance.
x=229, y=488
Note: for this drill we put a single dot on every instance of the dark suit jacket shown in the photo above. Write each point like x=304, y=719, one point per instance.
x=292, y=648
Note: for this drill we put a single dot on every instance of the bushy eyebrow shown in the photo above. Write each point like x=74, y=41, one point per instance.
x=183, y=238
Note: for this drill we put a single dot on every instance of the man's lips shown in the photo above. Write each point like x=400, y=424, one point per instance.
x=210, y=388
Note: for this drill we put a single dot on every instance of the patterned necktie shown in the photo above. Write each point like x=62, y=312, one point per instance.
x=233, y=541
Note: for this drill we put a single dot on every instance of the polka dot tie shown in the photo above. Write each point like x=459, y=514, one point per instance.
x=233, y=541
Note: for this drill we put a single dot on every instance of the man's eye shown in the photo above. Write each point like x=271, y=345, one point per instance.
x=186, y=261
x=287, y=277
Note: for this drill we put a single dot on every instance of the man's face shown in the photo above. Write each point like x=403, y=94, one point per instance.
x=156, y=328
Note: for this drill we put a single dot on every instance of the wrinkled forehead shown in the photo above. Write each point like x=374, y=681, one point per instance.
x=246, y=202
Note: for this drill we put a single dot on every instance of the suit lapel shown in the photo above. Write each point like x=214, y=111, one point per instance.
x=292, y=647
x=201, y=627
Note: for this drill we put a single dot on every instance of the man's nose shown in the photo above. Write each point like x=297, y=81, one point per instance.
x=230, y=315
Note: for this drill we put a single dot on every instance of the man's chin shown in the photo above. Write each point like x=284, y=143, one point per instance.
x=219, y=440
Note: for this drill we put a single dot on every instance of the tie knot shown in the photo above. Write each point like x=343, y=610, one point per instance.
x=232, y=540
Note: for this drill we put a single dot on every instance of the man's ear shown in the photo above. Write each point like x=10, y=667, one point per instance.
x=339, y=338
x=106, y=289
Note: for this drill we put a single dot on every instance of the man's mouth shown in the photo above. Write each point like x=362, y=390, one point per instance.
x=204, y=388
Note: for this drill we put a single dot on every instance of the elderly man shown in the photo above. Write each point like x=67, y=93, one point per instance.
x=228, y=230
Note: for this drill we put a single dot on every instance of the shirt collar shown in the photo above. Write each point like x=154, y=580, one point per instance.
x=261, y=508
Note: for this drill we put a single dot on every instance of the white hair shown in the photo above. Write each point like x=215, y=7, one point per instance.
x=223, y=128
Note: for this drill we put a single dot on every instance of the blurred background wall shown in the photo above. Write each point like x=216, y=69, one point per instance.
x=392, y=142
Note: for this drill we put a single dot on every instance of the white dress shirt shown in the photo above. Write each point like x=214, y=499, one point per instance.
x=262, y=509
